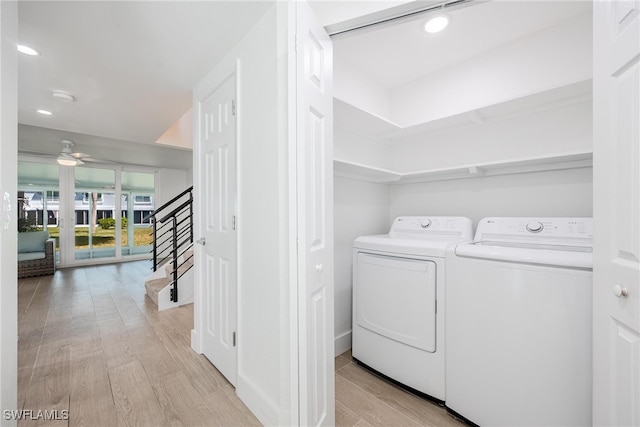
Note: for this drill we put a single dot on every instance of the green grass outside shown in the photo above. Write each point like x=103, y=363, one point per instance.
x=105, y=238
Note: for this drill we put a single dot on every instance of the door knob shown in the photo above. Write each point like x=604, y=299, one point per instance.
x=201, y=241
x=319, y=267
x=619, y=291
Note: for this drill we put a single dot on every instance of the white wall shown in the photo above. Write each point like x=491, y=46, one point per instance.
x=547, y=59
x=554, y=193
x=180, y=133
x=264, y=309
x=544, y=133
x=361, y=90
x=350, y=146
x=360, y=208
x=170, y=183
x=260, y=190
x=8, y=206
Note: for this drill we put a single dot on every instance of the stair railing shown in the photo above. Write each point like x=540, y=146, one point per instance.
x=173, y=235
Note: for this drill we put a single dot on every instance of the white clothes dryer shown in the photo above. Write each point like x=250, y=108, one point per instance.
x=399, y=300
x=519, y=323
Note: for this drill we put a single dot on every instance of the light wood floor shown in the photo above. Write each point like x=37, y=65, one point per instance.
x=93, y=345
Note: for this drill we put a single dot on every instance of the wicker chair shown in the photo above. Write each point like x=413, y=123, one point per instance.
x=36, y=255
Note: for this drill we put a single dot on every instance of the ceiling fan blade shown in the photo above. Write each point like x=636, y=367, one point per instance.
x=80, y=158
x=35, y=153
x=98, y=161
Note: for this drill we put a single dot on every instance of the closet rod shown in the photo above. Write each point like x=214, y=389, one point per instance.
x=394, y=14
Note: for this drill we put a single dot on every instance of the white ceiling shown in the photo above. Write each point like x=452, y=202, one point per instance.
x=130, y=65
x=397, y=53
x=36, y=140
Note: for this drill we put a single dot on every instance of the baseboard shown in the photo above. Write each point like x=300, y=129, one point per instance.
x=257, y=402
x=342, y=343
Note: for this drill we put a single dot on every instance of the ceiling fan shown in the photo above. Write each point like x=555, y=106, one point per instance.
x=67, y=157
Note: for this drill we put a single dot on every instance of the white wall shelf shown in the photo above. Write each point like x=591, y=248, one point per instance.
x=358, y=121
x=348, y=169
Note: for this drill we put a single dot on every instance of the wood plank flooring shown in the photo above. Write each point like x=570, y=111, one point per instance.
x=94, y=347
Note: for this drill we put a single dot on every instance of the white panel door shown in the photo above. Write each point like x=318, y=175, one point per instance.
x=314, y=62
x=616, y=339
x=217, y=130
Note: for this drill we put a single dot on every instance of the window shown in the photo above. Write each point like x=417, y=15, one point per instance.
x=86, y=197
x=142, y=200
x=53, y=196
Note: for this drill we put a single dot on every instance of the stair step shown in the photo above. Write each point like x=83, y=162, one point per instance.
x=154, y=286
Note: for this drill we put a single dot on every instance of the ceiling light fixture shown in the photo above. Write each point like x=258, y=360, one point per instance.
x=65, y=161
x=45, y=112
x=436, y=24
x=27, y=50
x=65, y=158
x=62, y=96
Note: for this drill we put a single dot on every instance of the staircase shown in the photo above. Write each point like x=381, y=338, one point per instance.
x=160, y=283
x=171, y=283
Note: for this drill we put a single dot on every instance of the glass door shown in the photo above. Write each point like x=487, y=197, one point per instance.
x=137, y=204
x=86, y=211
x=95, y=213
x=39, y=199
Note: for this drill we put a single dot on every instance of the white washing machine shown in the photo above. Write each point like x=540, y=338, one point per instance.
x=398, y=299
x=519, y=323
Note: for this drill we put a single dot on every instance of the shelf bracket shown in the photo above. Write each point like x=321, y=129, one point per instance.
x=475, y=117
x=474, y=170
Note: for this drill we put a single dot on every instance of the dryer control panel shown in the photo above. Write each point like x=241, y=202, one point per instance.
x=564, y=231
x=432, y=227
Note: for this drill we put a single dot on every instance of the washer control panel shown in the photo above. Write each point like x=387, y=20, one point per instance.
x=525, y=229
x=535, y=227
x=431, y=227
x=426, y=223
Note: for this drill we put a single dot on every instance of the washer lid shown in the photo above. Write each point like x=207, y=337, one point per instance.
x=560, y=256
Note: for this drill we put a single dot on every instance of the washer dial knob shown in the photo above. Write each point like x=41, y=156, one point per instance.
x=535, y=227
x=426, y=223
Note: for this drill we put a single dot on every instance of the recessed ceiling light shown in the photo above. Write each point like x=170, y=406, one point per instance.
x=27, y=50
x=45, y=112
x=62, y=96
x=436, y=24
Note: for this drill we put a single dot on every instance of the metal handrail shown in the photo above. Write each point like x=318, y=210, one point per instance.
x=170, y=202
x=171, y=233
x=176, y=211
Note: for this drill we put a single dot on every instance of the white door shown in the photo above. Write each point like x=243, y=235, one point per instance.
x=217, y=192
x=616, y=309
x=314, y=147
